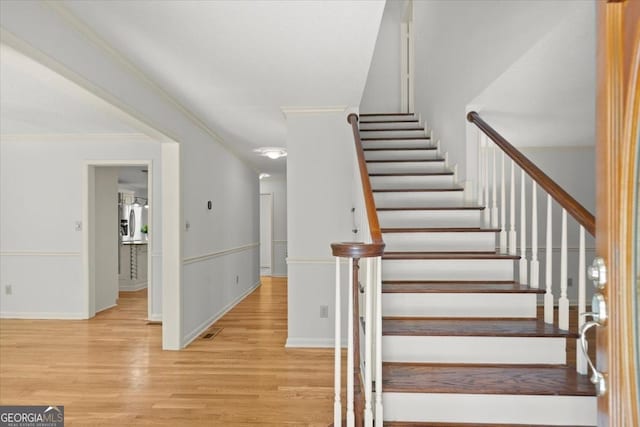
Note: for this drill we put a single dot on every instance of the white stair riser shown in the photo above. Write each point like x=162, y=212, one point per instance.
x=448, y=269
x=400, y=125
x=459, y=305
x=400, y=182
x=386, y=117
x=490, y=408
x=417, y=198
x=392, y=133
x=401, y=154
x=468, y=241
x=407, y=167
x=405, y=143
x=450, y=349
x=436, y=218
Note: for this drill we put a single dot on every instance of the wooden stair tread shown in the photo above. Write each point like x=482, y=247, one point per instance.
x=392, y=129
x=416, y=190
x=455, y=288
x=447, y=255
x=439, y=230
x=425, y=148
x=393, y=138
x=413, y=173
x=472, y=327
x=433, y=208
x=549, y=380
x=435, y=424
x=437, y=159
x=385, y=114
x=369, y=122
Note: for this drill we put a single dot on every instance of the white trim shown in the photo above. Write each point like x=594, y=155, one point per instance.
x=280, y=241
x=155, y=317
x=279, y=275
x=205, y=257
x=188, y=339
x=172, y=238
x=314, y=109
x=313, y=343
x=106, y=308
x=134, y=287
x=312, y=260
x=43, y=316
x=40, y=254
x=75, y=137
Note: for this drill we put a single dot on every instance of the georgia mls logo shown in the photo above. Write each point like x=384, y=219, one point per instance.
x=31, y=416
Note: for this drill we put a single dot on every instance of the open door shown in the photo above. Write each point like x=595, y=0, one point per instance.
x=617, y=228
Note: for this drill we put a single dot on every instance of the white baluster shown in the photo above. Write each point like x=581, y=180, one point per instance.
x=534, y=264
x=563, y=302
x=523, y=229
x=512, y=213
x=480, y=172
x=368, y=413
x=350, y=362
x=378, y=293
x=337, y=404
x=581, y=360
x=487, y=211
x=548, y=296
x=503, y=208
x=494, y=207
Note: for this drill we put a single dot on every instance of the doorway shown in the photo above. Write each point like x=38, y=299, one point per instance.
x=119, y=216
x=406, y=61
x=266, y=234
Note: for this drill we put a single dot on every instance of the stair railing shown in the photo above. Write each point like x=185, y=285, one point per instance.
x=364, y=363
x=496, y=210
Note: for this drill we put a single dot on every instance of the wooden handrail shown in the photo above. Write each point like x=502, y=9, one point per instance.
x=575, y=209
x=370, y=204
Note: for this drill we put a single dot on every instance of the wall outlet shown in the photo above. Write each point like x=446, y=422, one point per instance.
x=237, y=279
x=8, y=290
x=78, y=226
x=324, y=311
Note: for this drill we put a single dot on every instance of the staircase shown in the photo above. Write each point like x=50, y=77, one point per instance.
x=462, y=344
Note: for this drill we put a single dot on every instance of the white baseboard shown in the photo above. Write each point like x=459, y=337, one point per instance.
x=155, y=317
x=188, y=339
x=42, y=316
x=132, y=287
x=313, y=343
x=106, y=308
x=280, y=275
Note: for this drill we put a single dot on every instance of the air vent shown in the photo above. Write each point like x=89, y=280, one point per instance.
x=211, y=333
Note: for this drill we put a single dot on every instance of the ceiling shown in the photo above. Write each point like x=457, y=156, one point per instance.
x=133, y=178
x=237, y=64
x=36, y=101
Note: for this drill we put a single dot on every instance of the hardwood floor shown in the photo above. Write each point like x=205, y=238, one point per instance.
x=111, y=370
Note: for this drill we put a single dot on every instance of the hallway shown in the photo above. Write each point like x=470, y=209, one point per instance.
x=110, y=370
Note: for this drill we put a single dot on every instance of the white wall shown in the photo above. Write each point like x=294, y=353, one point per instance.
x=319, y=200
x=221, y=246
x=105, y=250
x=276, y=185
x=462, y=47
x=382, y=90
x=40, y=204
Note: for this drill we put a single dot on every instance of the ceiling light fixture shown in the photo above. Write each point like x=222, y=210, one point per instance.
x=264, y=175
x=271, y=152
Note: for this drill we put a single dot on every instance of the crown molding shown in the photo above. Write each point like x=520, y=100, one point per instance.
x=314, y=110
x=76, y=137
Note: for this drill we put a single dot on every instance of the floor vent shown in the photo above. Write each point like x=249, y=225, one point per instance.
x=211, y=333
